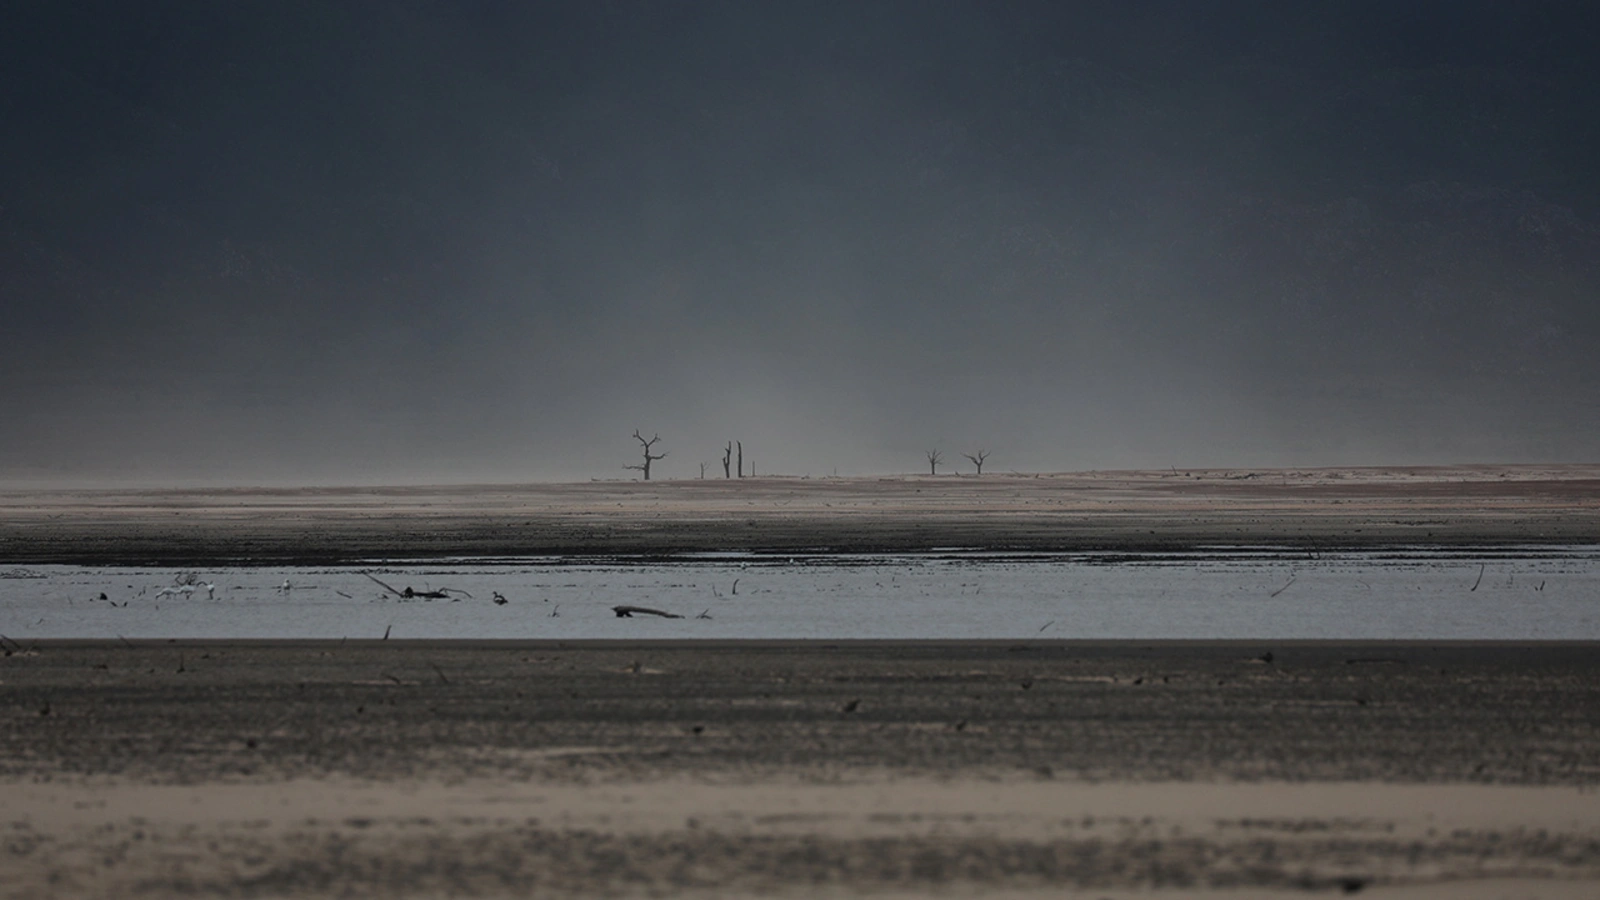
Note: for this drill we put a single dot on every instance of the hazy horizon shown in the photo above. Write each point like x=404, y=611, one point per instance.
x=283, y=243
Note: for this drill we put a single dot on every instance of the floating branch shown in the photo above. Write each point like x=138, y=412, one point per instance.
x=628, y=612
x=381, y=584
x=1284, y=588
x=441, y=594
x=411, y=593
x=1481, y=567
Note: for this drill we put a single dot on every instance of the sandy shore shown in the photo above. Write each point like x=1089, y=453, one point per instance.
x=1040, y=769
x=750, y=769
x=1077, y=511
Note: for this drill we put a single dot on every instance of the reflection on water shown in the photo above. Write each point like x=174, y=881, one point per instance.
x=1512, y=593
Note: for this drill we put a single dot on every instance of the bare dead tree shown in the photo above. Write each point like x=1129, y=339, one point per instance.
x=935, y=460
x=727, y=461
x=741, y=459
x=702, y=471
x=648, y=456
x=977, y=459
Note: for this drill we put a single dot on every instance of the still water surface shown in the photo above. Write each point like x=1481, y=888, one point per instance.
x=1509, y=593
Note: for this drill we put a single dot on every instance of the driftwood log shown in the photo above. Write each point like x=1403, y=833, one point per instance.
x=626, y=612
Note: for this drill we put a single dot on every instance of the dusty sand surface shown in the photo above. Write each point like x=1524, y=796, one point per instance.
x=1087, y=510
x=1112, y=769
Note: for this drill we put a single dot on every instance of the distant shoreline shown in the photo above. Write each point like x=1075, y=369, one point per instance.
x=1157, y=510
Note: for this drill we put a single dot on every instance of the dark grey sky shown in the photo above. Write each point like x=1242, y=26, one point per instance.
x=298, y=241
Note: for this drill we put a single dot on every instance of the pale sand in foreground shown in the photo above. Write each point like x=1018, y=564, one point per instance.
x=888, y=769
x=296, y=837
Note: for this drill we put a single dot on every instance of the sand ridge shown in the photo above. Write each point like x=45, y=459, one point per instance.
x=1063, y=512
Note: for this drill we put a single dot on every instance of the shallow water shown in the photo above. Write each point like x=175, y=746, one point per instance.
x=1509, y=593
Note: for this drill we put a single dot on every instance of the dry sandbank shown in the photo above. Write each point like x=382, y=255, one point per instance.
x=1075, y=511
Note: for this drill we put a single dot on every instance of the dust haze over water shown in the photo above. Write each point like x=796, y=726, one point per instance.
x=291, y=242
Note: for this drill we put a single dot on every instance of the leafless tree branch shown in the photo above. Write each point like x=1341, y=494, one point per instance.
x=648, y=456
x=977, y=459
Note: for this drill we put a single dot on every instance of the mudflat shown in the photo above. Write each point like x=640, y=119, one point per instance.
x=1351, y=507
x=1100, y=769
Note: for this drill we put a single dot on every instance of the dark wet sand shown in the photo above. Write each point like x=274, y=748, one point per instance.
x=1165, y=510
x=896, y=769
